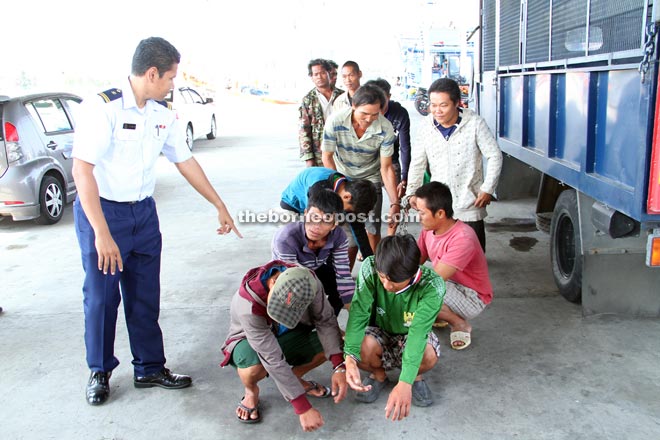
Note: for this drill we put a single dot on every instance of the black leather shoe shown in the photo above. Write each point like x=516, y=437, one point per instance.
x=98, y=387
x=164, y=379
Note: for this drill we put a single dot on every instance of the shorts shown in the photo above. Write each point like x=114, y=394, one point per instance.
x=299, y=347
x=373, y=224
x=393, y=346
x=463, y=301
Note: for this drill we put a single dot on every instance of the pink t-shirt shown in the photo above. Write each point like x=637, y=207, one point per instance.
x=459, y=247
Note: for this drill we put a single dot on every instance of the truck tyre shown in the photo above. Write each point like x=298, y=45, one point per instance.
x=565, y=247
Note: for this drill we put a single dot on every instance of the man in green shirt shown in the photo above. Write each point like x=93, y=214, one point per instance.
x=394, y=307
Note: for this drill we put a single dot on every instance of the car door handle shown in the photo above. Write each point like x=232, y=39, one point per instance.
x=52, y=145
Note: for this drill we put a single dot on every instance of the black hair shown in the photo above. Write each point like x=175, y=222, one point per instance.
x=437, y=196
x=333, y=64
x=325, y=200
x=363, y=195
x=352, y=64
x=397, y=257
x=380, y=82
x=318, y=62
x=448, y=86
x=369, y=94
x=154, y=52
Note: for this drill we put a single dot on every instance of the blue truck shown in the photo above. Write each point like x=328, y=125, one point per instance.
x=570, y=88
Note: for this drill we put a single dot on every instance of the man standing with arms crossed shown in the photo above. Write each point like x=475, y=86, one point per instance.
x=119, y=137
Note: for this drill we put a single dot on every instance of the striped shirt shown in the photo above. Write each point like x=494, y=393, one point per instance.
x=358, y=158
x=290, y=245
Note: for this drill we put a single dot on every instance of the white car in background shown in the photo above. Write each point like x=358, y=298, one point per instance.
x=196, y=113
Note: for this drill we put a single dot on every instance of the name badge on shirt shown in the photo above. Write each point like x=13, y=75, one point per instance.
x=127, y=126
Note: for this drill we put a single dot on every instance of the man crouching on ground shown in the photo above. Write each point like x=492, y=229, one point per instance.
x=272, y=318
x=395, y=304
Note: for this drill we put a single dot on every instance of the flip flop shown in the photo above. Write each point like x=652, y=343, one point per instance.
x=373, y=393
x=421, y=394
x=327, y=392
x=440, y=324
x=249, y=413
x=459, y=336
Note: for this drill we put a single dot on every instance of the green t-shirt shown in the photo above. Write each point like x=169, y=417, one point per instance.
x=410, y=312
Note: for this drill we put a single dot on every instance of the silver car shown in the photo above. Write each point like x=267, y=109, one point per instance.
x=36, y=137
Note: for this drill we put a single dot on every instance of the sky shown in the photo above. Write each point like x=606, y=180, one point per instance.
x=67, y=42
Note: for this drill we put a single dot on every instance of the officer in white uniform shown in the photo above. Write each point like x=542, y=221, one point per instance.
x=118, y=139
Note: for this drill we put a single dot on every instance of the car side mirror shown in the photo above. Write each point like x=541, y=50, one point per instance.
x=209, y=100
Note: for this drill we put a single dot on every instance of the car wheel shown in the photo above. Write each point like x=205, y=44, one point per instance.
x=51, y=201
x=565, y=247
x=214, y=129
x=189, y=136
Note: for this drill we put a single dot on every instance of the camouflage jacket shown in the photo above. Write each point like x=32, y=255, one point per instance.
x=310, y=131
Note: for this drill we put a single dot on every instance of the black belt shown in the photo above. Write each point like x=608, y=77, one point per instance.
x=132, y=202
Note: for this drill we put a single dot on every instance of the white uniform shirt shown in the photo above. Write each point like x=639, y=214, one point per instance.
x=123, y=143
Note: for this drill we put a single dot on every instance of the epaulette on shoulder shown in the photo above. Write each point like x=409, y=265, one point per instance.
x=110, y=94
x=165, y=104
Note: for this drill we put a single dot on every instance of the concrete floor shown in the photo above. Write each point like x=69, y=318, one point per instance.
x=536, y=369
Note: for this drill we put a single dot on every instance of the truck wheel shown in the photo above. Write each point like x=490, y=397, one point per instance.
x=565, y=247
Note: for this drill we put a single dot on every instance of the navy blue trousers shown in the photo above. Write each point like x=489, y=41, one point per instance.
x=135, y=229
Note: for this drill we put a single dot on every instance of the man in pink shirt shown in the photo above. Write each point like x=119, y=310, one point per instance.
x=456, y=255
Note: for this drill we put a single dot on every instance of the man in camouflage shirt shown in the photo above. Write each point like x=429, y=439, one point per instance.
x=315, y=109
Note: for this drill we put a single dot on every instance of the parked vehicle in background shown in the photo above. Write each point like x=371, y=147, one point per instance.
x=422, y=101
x=571, y=91
x=422, y=98
x=36, y=138
x=197, y=113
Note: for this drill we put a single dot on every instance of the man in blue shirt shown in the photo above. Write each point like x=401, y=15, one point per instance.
x=400, y=119
x=358, y=196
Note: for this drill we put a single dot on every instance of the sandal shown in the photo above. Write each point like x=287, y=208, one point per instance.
x=460, y=340
x=249, y=413
x=421, y=394
x=314, y=386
